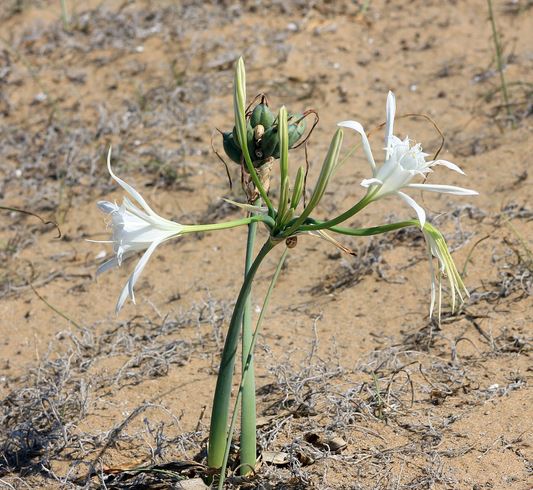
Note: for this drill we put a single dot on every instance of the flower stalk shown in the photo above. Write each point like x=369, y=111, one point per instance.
x=248, y=408
x=221, y=401
x=247, y=372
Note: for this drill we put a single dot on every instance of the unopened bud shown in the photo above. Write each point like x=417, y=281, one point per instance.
x=262, y=115
x=297, y=127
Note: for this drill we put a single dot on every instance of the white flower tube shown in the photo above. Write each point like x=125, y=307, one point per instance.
x=403, y=162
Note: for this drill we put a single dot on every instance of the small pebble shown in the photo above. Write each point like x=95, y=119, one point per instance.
x=292, y=26
x=40, y=97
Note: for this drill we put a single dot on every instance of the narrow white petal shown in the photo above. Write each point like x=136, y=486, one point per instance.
x=128, y=288
x=369, y=182
x=128, y=188
x=108, y=264
x=107, y=207
x=391, y=113
x=447, y=164
x=153, y=219
x=140, y=267
x=133, y=209
x=445, y=189
x=419, y=209
x=366, y=145
x=121, y=299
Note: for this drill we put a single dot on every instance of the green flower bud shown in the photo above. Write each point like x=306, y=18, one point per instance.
x=239, y=102
x=231, y=147
x=297, y=127
x=262, y=115
x=250, y=141
x=270, y=143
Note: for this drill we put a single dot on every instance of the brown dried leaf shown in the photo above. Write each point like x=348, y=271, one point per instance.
x=275, y=457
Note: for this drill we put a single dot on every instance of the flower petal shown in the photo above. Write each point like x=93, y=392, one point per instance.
x=445, y=189
x=128, y=288
x=447, y=164
x=128, y=188
x=369, y=182
x=366, y=145
x=391, y=112
x=419, y=209
x=107, y=207
x=108, y=264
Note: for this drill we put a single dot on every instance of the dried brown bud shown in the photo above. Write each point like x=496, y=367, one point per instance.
x=259, y=131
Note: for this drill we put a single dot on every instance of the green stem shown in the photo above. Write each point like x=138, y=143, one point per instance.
x=374, y=230
x=246, y=373
x=229, y=224
x=220, y=410
x=499, y=60
x=339, y=219
x=64, y=13
x=255, y=179
x=248, y=421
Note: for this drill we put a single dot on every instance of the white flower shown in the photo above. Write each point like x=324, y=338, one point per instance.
x=134, y=229
x=403, y=161
x=437, y=247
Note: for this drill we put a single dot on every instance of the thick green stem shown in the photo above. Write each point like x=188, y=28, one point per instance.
x=220, y=411
x=246, y=373
x=248, y=424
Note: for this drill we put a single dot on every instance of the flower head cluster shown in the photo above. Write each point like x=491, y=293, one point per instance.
x=403, y=162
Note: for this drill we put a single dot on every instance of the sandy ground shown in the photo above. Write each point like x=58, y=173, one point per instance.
x=348, y=352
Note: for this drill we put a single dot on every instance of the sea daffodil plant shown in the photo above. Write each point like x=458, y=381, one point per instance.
x=136, y=227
